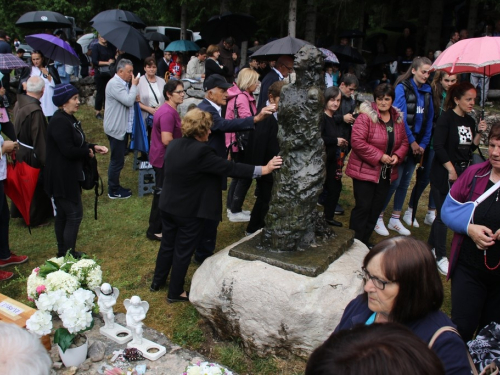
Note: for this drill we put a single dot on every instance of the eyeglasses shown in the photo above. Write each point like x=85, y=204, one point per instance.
x=180, y=92
x=290, y=69
x=379, y=284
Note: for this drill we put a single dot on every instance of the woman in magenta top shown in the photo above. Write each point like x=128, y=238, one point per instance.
x=166, y=127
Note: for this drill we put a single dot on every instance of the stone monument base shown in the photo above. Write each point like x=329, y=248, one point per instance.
x=273, y=310
x=118, y=333
x=149, y=349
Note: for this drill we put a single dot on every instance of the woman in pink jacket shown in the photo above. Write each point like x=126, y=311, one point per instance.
x=240, y=104
x=379, y=145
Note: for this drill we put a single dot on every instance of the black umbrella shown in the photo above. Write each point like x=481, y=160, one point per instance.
x=352, y=34
x=238, y=25
x=129, y=18
x=157, y=37
x=279, y=47
x=43, y=19
x=347, y=54
x=124, y=37
x=382, y=59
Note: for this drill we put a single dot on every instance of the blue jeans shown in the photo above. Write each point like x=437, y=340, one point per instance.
x=116, y=162
x=424, y=181
x=400, y=186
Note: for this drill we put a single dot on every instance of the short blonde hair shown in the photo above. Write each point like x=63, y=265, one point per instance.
x=246, y=78
x=196, y=123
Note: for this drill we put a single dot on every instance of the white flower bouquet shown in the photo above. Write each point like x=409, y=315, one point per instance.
x=206, y=368
x=75, y=312
x=65, y=273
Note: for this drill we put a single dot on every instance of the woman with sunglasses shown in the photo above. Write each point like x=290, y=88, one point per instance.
x=402, y=285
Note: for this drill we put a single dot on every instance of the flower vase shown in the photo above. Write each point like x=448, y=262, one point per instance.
x=45, y=339
x=74, y=356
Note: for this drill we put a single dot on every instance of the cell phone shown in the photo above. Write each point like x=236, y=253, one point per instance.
x=138, y=75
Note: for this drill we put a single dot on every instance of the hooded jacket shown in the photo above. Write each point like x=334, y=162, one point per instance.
x=369, y=143
x=420, y=113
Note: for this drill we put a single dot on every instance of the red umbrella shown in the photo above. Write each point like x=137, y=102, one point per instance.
x=20, y=186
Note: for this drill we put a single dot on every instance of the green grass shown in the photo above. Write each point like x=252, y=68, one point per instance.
x=118, y=239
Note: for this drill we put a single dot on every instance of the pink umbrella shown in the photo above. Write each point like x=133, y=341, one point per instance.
x=474, y=55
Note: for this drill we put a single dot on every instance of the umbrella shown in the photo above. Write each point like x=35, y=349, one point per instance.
x=474, y=55
x=382, y=59
x=347, y=54
x=129, y=18
x=157, y=37
x=139, y=137
x=43, y=19
x=352, y=34
x=279, y=47
x=9, y=61
x=124, y=37
x=20, y=186
x=182, y=46
x=329, y=56
x=53, y=48
x=238, y=25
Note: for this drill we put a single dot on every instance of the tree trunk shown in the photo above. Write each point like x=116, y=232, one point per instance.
x=471, y=22
x=434, y=27
x=244, y=44
x=311, y=22
x=292, y=18
x=183, y=21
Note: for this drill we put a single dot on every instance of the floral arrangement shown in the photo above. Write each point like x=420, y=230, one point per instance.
x=206, y=368
x=66, y=274
x=75, y=312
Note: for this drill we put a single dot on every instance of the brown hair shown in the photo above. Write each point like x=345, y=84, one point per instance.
x=212, y=48
x=170, y=86
x=149, y=61
x=377, y=349
x=437, y=89
x=415, y=64
x=410, y=263
x=383, y=90
x=196, y=123
x=275, y=89
x=458, y=90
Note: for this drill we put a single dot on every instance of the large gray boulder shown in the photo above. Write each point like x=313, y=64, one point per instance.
x=273, y=311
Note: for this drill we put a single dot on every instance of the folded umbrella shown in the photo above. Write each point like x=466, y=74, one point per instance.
x=9, y=61
x=182, y=46
x=284, y=46
x=125, y=16
x=43, y=19
x=124, y=37
x=53, y=48
x=139, y=139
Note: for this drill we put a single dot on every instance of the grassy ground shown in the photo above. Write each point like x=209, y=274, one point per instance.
x=118, y=239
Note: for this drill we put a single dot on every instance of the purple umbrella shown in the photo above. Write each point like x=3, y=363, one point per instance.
x=9, y=61
x=53, y=48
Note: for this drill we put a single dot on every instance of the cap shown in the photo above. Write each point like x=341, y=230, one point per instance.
x=216, y=80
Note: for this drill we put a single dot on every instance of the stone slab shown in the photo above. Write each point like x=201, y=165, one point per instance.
x=149, y=349
x=311, y=262
x=112, y=333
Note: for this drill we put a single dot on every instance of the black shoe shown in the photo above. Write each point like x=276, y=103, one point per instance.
x=98, y=116
x=126, y=189
x=77, y=254
x=178, y=299
x=333, y=222
x=197, y=261
x=153, y=236
x=339, y=210
x=154, y=287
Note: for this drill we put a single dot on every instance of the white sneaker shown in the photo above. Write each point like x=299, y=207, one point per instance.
x=380, y=227
x=238, y=217
x=407, y=219
x=228, y=211
x=443, y=265
x=396, y=225
x=430, y=216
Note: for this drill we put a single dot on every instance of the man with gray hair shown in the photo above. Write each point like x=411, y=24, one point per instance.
x=121, y=92
x=30, y=126
x=22, y=353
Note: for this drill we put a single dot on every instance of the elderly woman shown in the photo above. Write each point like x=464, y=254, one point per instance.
x=379, y=145
x=475, y=253
x=150, y=91
x=212, y=65
x=455, y=138
x=191, y=195
x=66, y=150
x=166, y=127
x=240, y=104
x=402, y=285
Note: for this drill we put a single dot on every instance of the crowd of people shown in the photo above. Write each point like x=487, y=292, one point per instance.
x=411, y=123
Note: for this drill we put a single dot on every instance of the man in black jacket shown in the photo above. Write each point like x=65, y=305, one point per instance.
x=163, y=64
x=216, y=87
x=283, y=67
